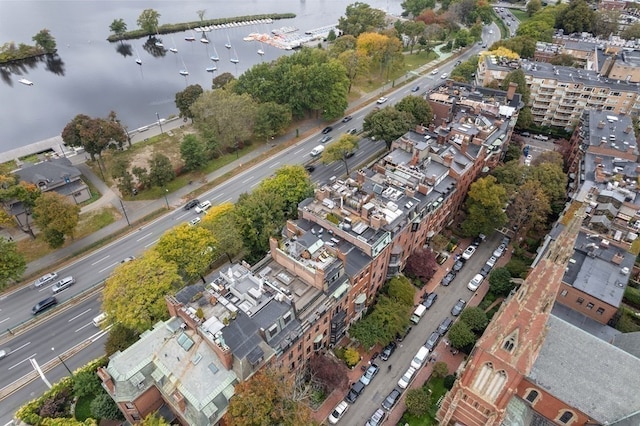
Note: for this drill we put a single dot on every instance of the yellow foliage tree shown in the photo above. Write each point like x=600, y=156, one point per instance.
x=191, y=248
x=502, y=52
x=385, y=52
x=220, y=221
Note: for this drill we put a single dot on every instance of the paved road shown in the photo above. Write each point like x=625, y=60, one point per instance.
x=96, y=266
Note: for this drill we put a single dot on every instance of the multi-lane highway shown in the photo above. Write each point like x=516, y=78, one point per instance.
x=72, y=327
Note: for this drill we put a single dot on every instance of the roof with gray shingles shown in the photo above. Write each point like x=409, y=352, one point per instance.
x=587, y=373
x=53, y=172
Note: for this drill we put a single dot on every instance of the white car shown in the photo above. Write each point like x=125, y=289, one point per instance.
x=203, y=206
x=444, y=76
x=382, y=100
x=466, y=255
x=194, y=221
x=406, y=378
x=338, y=412
x=475, y=282
x=492, y=261
x=45, y=279
x=434, y=72
x=500, y=250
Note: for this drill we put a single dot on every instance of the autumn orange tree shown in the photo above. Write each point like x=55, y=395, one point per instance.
x=56, y=216
x=270, y=397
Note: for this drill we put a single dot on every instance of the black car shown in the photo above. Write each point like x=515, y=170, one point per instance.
x=349, y=154
x=458, y=265
x=346, y=119
x=458, y=307
x=388, y=351
x=445, y=325
x=327, y=130
x=430, y=300
x=457, y=63
x=354, y=392
x=43, y=305
x=310, y=168
x=392, y=399
x=486, y=268
x=448, y=279
x=432, y=341
x=191, y=204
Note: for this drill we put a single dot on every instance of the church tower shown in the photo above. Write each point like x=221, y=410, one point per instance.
x=510, y=345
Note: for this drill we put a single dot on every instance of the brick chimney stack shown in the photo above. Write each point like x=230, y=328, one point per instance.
x=511, y=91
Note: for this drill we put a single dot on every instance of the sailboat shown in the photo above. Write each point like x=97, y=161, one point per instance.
x=190, y=37
x=228, y=43
x=212, y=68
x=204, y=39
x=261, y=50
x=138, y=60
x=234, y=59
x=159, y=42
x=173, y=49
x=184, y=71
x=215, y=57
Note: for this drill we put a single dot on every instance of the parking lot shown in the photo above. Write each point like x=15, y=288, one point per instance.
x=386, y=379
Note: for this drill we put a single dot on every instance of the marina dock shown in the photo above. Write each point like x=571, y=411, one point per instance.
x=288, y=38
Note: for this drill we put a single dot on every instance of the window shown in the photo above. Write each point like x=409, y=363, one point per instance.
x=580, y=301
x=563, y=293
x=129, y=406
x=589, y=305
x=287, y=318
x=532, y=396
x=600, y=311
x=508, y=345
x=565, y=417
x=510, y=342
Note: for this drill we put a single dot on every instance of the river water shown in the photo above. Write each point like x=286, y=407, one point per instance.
x=92, y=76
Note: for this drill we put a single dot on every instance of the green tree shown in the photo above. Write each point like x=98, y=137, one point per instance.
x=553, y=181
x=563, y=59
x=485, y=201
x=191, y=248
x=53, y=238
x=219, y=82
x=418, y=401
x=466, y=70
x=193, y=152
x=103, y=407
x=415, y=7
x=339, y=150
x=160, y=170
x=259, y=216
x=632, y=32
x=460, y=335
x=24, y=192
x=186, y=98
x=269, y=397
x=525, y=118
x=533, y=6
x=153, y=419
x=357, y=64
x=142, y=175
x=475, y=318
x=228, y=116
x=94, y=134
x=119, y=339
x=418, y=107
x=576, y=18
x=529, y=209
x=500, y=282
x=134, y=306
x=387, y=319
x=12, y=263
x=118, y=27
x=605, y=23
x=524, y=46
x=440, y=369
x=401, y=290
x=86, y=383
x=387, y=124
x=272, y=119
x=55, y=212
x=220, y=221
x=342, y=44
x=148, y=21
x=359, y=18
x=290, y=183
x=45, y=40
x=517, y=77
x=413, y=30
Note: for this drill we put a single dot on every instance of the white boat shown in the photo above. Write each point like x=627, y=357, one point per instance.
x=25, y=82
x=215, y=57
x=198, y=29
x=260, y=51
x=234, y=59
x=184, y=70
x=228, y=43
x=173, y=49
x=204, y=40
x=138, y=61
x=190, y=38
x=212, y=69
x=159, y=44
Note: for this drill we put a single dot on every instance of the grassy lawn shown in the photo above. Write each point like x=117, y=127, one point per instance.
x=522, y=15
x=437, y=391
x=83, y=408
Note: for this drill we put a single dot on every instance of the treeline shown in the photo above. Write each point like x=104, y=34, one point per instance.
x=45, y=44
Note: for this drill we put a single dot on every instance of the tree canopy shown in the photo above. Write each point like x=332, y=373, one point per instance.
x=186, y=98
x=118, y=26
x=401, y=290
x=220, y=221
x=45, y=40
x=359, y=18
x=415, y=7
x=421, y=264
x=12, y=263
x=191, y=248
x=54, y=212
x=134, y=292
x=460, y=335
x=193, y=152
x=500, y=282
x=576, y=18
x=94, y=134
x=381, y=326
x=340, y=150
x=292, y=184
x=485, y=203
x=387, y=124
x=475, y=318
x=148, y=20
x=418, y=107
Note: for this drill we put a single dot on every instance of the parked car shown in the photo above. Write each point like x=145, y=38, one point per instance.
x=492, y=261
x=45, y=279
x=354, y=392
x=347, y=119
x=506, y=240
x=327, y=130
x=458, y=265
x=388, y=351
x=486, y=268
x=475, y=282
x=430, y=300
x=500, y=250
x=369, y=374
x=382, y=100
x=401, y=337
x=478, y=240
x=458, y=307
x=378, y=418
x=338, y=412
x=63, y=284
x=448, y=279
x=445, y=325
x=392, y=399
x=325, y=139
x=457, y=63
x=432, y=341
x=415, y=89
x=468, y=252
x=441, y=258
x=434, y=72
x=191, y=204
x=406, y=378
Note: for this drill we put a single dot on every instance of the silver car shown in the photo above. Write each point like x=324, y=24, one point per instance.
x=45, y=279
x=63, y=284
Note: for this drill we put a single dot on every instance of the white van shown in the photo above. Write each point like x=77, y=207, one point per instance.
x=418, y=313
x=100, y=319
x=541, y=137
x=418, y=360
x=203, y=206
x=317, y=150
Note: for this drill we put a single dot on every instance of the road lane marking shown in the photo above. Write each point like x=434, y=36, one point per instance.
x=257, y=183
x=338, y=168
x=227, y=200
x=79, y=315
x=26, y=359
x=98, y=261
x=84, y=326
x=217, y=196
x=20, y=347
x=274, y=164
x=151, y=243
x=6, y=319
x=298, y=151
x=183, y=215
x=247, y=179
x=142, y=238
x=108, y=267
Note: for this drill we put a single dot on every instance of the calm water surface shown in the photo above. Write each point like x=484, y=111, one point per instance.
x=92, y=76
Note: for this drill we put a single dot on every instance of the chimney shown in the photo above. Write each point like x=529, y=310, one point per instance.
x=431, y=180
x=601, y=124
x=377, y=221
x=511, y=90
x=360, y=177
x=432, y=127
x=420, y=129
x=410, y=192
x=173, y=306
x=463, y=146
x=321, y=194
x=107, y=380
x=423, y=189
x=628, y=130
x=617, y=259
x=447, y=159
x=179, y=400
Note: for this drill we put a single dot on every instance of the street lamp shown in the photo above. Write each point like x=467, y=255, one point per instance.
x=159, y=122
x=124, y=211
x=165, y=198
x=62, y=361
